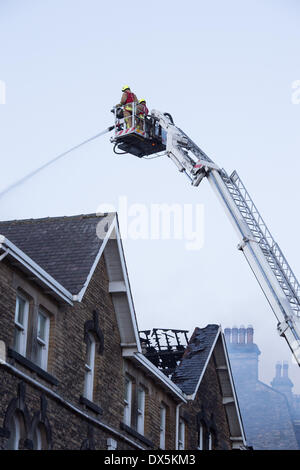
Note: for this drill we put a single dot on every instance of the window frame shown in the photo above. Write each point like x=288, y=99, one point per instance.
x=162, y=426
x=40, y=437
x=201, y=437
x=128, y=401
x=21, y=330
x=15, y=433
x=181, y=434
x=89, y=368
x=140, y=411
x=37, y=439
x=43, y=343
x=210, y=441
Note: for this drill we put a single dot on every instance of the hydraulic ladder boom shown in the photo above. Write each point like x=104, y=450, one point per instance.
x=262, y=253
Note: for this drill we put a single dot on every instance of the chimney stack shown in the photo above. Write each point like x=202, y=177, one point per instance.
x=243, y=353
x=281, y=381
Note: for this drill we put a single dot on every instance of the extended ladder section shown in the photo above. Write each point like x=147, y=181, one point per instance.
x=263, y=237
x=263, y=254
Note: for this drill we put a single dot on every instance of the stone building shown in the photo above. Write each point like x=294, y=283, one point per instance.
x=266, y=410
x=201, y=369
x=73, y=371
x=283, y=384
x=204, y=376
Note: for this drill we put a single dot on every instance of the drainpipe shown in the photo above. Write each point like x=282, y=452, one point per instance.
x=177, y=425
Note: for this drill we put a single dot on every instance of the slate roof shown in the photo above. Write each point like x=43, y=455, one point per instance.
x=188, y=372
x=65, y=247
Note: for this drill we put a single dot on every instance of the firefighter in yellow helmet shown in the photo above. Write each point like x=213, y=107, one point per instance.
x=142, y=111
x=126, y=101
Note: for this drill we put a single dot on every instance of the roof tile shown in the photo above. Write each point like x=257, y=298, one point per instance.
x=65, y=247
x=189, y=370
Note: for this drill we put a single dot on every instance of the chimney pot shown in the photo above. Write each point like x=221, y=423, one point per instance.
x=242, y=334
x=250, y=334
x=227, y=333
x=234, y=332
x=285, y=369
x=278, y=370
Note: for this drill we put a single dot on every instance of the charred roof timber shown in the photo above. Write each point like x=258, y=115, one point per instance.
x=164, y=347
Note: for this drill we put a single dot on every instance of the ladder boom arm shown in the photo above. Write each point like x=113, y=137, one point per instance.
x=262, y=253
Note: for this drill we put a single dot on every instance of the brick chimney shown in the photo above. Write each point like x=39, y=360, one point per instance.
x=282, y=382
x=243, y=353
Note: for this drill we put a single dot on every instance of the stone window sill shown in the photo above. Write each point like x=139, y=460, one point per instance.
x=24, y=361
x=136, y=434
x=91, y=405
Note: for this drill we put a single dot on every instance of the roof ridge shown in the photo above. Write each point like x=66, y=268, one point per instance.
x=65, y=247
x=55, y=218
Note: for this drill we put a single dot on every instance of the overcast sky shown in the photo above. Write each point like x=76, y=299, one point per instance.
x=226, y=71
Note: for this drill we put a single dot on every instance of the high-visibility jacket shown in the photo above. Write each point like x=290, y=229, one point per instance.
x=144, y=111
x=130, y=97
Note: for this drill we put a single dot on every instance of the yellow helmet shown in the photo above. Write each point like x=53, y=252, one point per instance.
x=126, y=87
x=142, y=100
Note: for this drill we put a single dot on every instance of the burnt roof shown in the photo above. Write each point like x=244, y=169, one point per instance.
x=189, y=371
x=65, y=247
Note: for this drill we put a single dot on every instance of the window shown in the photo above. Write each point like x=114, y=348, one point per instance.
x=163, y=413
x=111, y=444
x=201, y=437
x=140, y=410
x=127, y=401
x=42, y=339
x=21, y=323
x=206, y=438
x=40, y=438
x=210, y=441
x=15, y=433
x=89, y=368
x=181, y=434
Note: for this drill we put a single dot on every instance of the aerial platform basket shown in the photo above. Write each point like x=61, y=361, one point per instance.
x=135, y=135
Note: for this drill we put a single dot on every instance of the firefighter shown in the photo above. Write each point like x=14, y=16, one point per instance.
x=127, y=98
x=141, y=111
